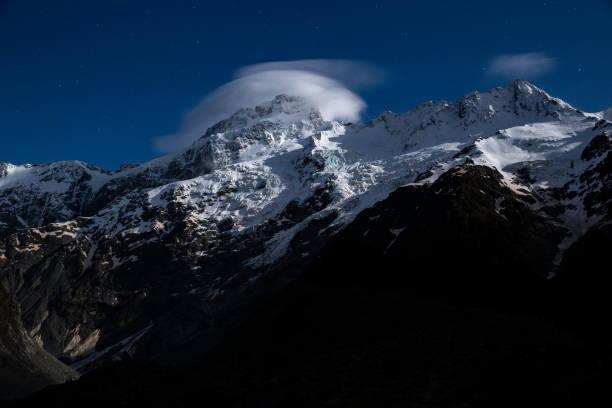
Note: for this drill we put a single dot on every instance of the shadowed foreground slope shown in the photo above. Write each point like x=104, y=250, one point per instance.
x=24, y=366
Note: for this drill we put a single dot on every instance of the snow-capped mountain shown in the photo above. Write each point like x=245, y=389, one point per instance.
x=140, y=261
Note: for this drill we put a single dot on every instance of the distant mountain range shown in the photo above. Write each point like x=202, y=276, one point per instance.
x=500, y=202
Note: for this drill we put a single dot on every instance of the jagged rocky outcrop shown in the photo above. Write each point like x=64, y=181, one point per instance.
x=164, y=256
x=24, y=366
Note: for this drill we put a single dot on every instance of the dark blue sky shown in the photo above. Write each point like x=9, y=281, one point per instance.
x=99, y=80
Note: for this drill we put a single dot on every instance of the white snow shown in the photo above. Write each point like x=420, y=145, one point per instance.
x=251, y=165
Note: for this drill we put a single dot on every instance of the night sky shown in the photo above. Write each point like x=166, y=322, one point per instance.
x=98, y=81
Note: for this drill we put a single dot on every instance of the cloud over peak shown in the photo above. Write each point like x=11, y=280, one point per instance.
x=527, y=65
x=321, y=83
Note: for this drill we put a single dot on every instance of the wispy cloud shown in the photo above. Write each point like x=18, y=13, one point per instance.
x=354, y=74
x=525, y=66
x=323, y=83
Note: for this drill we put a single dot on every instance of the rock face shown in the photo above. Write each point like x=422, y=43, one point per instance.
x=435, y=296
x=491, y=238
x=24, y=366
x=162, y=257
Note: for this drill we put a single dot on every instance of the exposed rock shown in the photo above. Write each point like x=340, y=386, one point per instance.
x=599, y=145
x=24, y=366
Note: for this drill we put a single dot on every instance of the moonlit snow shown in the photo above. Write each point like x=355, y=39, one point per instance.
x=260, y=159
x=312, y=80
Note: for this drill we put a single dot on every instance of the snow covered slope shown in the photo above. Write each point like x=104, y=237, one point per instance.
x=34, y=195
x=192, y=233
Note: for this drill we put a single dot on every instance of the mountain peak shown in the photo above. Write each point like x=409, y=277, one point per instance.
x=522, y=89
x=518, y=98
x=283, y=103
x=520, y=85
x=283, y=108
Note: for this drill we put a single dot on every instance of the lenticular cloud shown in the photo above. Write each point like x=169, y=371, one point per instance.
x=312, y=80
x=528, y=65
